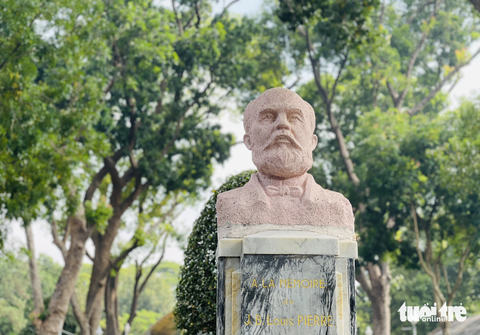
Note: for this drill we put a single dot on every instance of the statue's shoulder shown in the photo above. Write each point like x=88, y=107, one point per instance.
x=336, y=198
x=230, y=203
x=333, y=205
x=230, y=197
x=340, y=208
x=235, y=195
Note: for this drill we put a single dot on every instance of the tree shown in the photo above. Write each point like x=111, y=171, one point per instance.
x=44, y=137
x=167, y=71
x=17, y=299
x=195, y=311
x=418, y=50
x=448, y=213
x=123, y=98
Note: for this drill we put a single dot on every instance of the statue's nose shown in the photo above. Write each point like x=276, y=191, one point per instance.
x=282, y=122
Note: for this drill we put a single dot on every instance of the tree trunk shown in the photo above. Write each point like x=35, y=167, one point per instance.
x=60, y=300
x=445, y=327
x=80, y=316
x=38, y=303
x=377, y=287
x=111, y=303
x=381, y=310
x=100, y=270
x=476, y=4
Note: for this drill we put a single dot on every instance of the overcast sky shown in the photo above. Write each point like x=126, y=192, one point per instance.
x=240, y=159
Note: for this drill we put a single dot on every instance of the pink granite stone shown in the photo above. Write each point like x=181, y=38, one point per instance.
x=279, y=130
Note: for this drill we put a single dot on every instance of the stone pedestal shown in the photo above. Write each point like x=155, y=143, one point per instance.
x=286, y=282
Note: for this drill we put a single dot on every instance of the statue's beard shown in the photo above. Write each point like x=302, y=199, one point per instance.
x=283, y=160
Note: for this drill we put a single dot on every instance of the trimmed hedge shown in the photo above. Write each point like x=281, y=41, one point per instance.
x=197, y=289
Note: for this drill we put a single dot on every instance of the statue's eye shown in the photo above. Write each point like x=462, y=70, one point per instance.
x=268, y=116
x=295, y=118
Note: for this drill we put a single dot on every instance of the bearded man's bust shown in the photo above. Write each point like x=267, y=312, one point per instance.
x=279, y=130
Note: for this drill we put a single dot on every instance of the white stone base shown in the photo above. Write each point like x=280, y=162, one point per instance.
x=240, y=231
x=276, y=242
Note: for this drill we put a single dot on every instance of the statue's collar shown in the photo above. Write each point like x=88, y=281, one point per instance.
x=257, y=192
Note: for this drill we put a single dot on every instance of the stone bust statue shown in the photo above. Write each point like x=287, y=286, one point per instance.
x=279, y=130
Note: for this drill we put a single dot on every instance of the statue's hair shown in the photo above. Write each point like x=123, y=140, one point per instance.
x=278, y=96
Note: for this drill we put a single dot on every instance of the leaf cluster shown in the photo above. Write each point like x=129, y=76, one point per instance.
x=195, y=311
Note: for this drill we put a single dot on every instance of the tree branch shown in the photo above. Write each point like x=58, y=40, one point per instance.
x=38, y=302
x=476, y=4
x=97, y=179
x=461, y=265
x=13, y=52
x=393, y=93
x=131, y=198
x=445, y=276
x=439, y=86
x=426, y=267
x=109, y=85
x=331, y=117
x=138, y=290
x=19, y=44
x=364, y=281
x=80, y=316
x=315, y=67
x=197, y=11
x=418, y=11
x=179, y=122
x=128, y=175
x=401, y=98
x=342, y=65
x=88, y=255
x=179, y=22
x=411, y=63
x=159, y=106
x=112, y=170
x=152, y=270
x=56, y=239
x=295, y=82
x=225, y=9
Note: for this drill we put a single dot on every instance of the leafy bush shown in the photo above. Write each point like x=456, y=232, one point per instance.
x=197, y=290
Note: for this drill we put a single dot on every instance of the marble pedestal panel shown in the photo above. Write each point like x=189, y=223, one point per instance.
x=279, y=282
x=288, y=294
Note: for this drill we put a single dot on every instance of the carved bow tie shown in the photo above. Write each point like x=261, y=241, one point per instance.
x=294, y=191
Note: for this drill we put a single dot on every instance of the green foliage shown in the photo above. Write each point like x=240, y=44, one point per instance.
x=47, y=102
x=392, y=155
x=14, y=293
x=431, y=162
x=415, y=287
x=157, y=300
x=159, y=294
x=342, y=23
x=98, y=216
x=123, y=97
x=195, y=311
x=16, y=297
x=143, y=321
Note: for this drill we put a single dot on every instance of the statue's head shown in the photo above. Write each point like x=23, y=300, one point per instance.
x=279, y=130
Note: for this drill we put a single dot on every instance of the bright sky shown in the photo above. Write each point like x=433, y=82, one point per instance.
x=240, y=159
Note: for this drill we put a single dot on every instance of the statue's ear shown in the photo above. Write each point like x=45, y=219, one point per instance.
x=314, y=142
x=247, y=141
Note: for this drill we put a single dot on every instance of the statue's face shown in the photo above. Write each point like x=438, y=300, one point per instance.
x=281, y=140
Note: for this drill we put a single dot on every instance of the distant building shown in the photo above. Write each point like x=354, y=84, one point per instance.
x=471, y=326
x=165, y=326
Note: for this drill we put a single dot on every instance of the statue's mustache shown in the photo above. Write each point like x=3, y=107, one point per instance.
x=283, y=137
